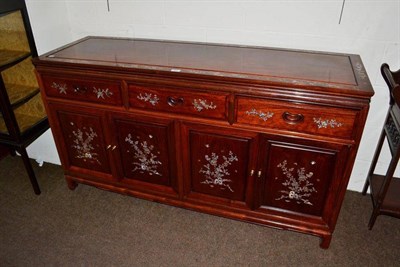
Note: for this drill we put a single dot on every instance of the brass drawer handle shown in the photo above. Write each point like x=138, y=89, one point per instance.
x=292, y=118
x=172, y=101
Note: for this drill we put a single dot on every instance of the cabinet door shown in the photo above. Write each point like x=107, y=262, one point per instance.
x=218, y=164
x=79, y=133
x=145, y=149
x=301, y=178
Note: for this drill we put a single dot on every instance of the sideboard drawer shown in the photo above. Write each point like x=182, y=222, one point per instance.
x=83, y=89
x=204, y=104
x=296, y=117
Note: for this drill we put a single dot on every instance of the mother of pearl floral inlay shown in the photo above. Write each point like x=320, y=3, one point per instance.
x=83, y=143
x=263, y=116
x=332, y=123
x=100, y=93
x=143, y=158
x=215, y=172
x=147, y=97
x=299, y=188
x=62, y=88
x=200, y=104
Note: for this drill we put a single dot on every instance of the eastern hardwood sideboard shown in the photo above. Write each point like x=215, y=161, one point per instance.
x=262, y=135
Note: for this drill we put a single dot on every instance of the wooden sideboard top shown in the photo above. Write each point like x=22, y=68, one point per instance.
x=333, y=72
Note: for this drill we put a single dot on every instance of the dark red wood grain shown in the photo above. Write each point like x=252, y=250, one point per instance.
x=198, y=111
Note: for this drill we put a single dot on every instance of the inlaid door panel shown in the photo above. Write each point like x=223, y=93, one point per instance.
x=298, y=177
x=145, y=150
x=84, y=140
x=219, y=163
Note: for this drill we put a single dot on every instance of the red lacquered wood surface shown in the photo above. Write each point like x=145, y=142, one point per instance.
x=267, y=136
x=335, y=72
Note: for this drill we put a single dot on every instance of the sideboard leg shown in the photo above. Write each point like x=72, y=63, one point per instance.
x=325, y=241
x=71, y=184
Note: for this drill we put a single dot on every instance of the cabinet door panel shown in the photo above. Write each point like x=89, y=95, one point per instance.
x=298, y=177
x=219, y=164
x=144, y=150
x=84, y=140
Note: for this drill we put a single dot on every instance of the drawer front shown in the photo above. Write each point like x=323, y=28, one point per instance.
x=296, y=117
x=204, y=104
x=83, y=89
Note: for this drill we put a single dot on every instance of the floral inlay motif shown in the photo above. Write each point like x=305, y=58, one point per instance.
x=325, y=123
x=152, y=99
x=299, y=188
x=83, y=144
x=101, y=93
x=144, y=158
x=260, y=114
x=216, y=173
x=62, y=88
x=200, y=104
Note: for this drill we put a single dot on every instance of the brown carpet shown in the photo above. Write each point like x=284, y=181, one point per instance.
x=91, y=227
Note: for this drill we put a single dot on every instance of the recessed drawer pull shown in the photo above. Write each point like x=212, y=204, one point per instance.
x=292, y=118
x=172, y=101
x=78, y=89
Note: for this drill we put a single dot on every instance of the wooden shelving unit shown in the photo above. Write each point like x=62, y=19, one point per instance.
x=22, y=115
x=385, y=189
x=391, y=203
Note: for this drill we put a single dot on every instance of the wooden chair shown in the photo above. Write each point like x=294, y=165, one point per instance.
x=385, y=189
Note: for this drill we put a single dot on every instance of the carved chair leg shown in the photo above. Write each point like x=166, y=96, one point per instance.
x=29, y=170
x=365, y=189
x=372, y=220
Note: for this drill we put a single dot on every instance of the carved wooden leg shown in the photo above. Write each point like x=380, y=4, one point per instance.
x=29, y=170
x=325, y=241
x=71, y=184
